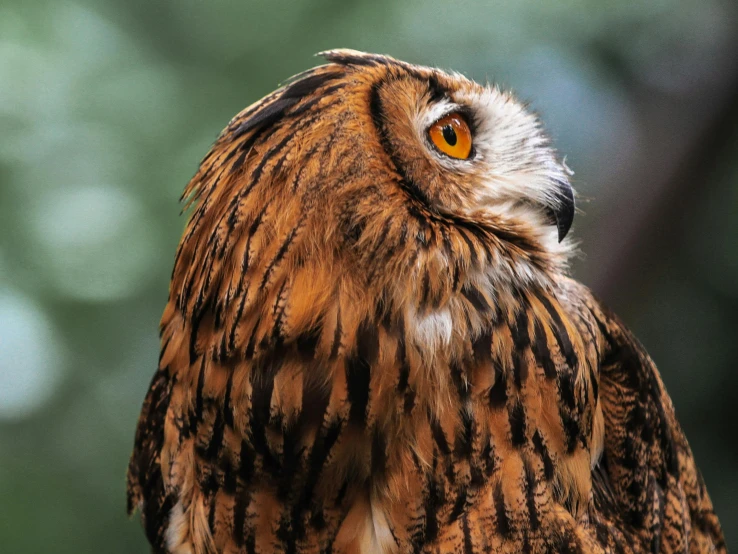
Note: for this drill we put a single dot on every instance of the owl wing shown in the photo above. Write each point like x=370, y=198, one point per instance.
x=144, y=470
x=647, y=478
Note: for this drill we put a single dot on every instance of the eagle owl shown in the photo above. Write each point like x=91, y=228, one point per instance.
x=371, y=344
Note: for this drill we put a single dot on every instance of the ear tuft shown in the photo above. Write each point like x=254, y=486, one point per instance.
x=346, y=56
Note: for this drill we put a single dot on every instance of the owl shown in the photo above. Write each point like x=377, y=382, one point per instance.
x=371, y=344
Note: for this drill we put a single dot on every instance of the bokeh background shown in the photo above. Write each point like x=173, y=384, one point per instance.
x=107, y=106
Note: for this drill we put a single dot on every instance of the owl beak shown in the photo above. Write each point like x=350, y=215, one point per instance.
x=563, y=211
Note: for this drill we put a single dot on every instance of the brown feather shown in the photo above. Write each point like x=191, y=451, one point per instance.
x=359, y=356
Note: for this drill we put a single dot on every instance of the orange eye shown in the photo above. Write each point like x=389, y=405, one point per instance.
x=452, y=136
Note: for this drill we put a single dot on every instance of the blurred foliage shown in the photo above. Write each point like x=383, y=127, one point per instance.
x=106, y=108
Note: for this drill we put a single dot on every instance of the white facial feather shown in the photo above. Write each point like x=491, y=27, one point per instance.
x=511, y=145
x=519, y=169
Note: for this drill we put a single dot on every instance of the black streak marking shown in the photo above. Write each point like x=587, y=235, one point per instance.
x=379, y=454
x=517, y=424
x=291, y=95
x=436, y=90
x=520, y=345
x=336, y=336
x=463, y=445
x=541, y=352
x=498, y=392
x=432, y=503
x=358, y=370
x=377, y=112
x=542, y=451
x=317, y=459
x=571, y=427
x=307, y=341
x=278, y=257
x=503, y=522
x=562, y=337
x=530, y=490
x=440, y=438
x=475, y=298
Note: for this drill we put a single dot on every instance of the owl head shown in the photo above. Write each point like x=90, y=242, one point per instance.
x=377, y=179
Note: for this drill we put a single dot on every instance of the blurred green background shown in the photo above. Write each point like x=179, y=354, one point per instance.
x=107, y=106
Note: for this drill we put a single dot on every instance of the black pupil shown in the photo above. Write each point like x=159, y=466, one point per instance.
x=449, y=134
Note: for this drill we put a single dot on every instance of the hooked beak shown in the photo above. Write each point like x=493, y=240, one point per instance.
x=563, y=211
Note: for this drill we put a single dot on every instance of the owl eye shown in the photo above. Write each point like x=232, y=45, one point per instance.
x=452, y=136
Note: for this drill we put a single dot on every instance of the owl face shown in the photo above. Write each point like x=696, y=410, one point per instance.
x=507, y=171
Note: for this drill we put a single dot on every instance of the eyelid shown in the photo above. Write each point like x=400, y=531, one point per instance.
x=469, y=116
x=433, y=115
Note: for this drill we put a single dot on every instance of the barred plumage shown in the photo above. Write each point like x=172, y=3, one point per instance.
x=373, y=347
